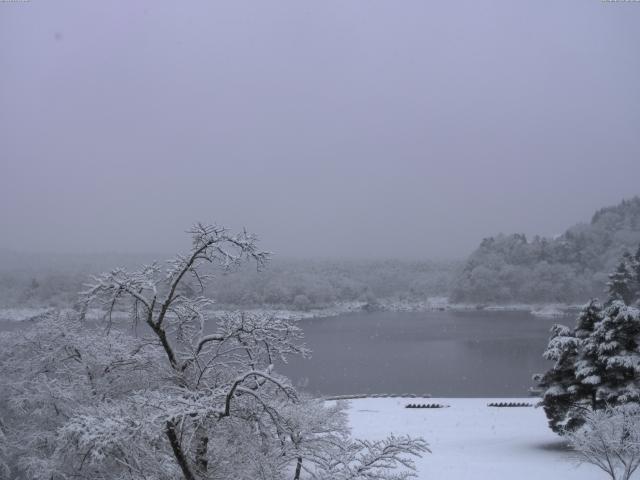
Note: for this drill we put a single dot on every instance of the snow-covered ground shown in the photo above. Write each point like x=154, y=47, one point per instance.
x=472, y=441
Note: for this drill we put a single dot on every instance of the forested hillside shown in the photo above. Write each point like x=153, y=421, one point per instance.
x=569, y=268
x=54, y=281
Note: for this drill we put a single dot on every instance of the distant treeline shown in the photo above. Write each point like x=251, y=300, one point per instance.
x=569, y=268
x=291, y=284
x=42, y=280
x=504, y=269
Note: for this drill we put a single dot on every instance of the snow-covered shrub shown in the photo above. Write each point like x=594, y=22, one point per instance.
x=610, y=440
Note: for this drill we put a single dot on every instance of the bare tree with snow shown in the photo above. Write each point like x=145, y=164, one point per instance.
x=196, y=397
x=610, y=440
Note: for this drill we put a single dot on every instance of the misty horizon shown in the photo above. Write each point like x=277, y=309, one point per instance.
x=160, y=256
x=333, y=131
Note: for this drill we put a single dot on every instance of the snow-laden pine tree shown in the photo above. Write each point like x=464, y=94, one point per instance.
x=615, y=343
x=589, y=371
x=560, y=388
x=621, y=284
x=597, y=364
x=195, y=396
x=635, y=270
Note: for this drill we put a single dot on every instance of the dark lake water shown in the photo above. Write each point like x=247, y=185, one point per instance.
x=466, y=354
x=445, y=353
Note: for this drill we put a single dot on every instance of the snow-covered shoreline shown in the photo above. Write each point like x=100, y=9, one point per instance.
x=429, y=305
x=385, y=305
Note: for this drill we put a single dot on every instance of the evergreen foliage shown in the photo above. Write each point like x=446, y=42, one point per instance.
x=615, y=344
x=621, y=282
x=559, y=383
x=597, y=363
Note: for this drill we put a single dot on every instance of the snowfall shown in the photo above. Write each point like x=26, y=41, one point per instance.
x=470, y=440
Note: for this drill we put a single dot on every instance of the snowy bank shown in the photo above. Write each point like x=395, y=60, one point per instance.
x=385, y=305
x=549, y=311
x=21, y=314
x=470, y=440
x=430, y=304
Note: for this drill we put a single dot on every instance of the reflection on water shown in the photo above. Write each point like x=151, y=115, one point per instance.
x=441, y=353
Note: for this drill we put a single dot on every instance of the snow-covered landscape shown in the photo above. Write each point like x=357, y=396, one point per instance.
x=469, y=440
x=319, y=240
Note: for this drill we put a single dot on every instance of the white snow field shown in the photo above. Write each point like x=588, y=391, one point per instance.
x=470, y=440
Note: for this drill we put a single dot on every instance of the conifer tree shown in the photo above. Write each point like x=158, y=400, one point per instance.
x=570, y=386
x=597, y=364
x=559, y=383
x=620, y=284
x=614, y=342
x=588, y=370
x=635, y=271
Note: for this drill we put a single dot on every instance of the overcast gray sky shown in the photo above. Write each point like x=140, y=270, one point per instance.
x=330, y=128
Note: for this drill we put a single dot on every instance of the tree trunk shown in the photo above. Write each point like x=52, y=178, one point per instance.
x=177, y=451
x=162, y=335
x=202, y=461
x=298, y=469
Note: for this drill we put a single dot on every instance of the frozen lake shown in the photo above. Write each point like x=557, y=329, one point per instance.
x=443, y=353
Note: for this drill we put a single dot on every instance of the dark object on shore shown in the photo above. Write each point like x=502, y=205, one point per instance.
x=425, y=405
x=377, y=395
x=509, y=404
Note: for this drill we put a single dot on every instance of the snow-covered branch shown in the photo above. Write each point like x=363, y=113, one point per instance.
x=610, y=440
x=196, y=397
x=374, y=460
